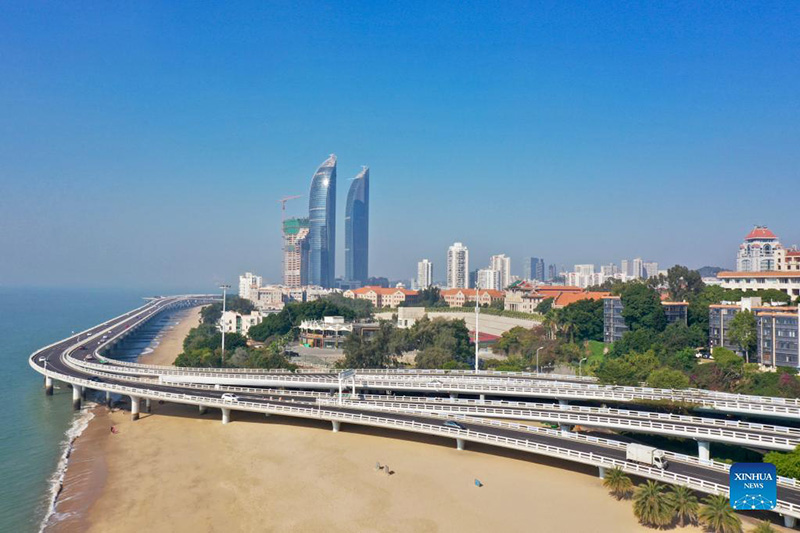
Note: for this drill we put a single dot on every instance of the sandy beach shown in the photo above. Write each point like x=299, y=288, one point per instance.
x=171, y=342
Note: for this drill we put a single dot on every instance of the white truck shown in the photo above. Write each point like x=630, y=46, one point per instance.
x=647, y=455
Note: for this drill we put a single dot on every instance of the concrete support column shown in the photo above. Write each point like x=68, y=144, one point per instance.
x=460, y=444
x=76, y=397
x=566, y=428
x=203, y=409
x=226, y=415
x=563, y=403
x=336, y=425
x=704, y=450
x=83, y=392
x=134, y=408
x=602, y=473
x=108, y=398
x=48, y=385
x=789, y=521
x=453, y=395
x=483, y=397
x=148, y=408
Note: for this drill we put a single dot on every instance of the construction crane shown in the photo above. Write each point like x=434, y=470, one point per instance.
x=283, y=204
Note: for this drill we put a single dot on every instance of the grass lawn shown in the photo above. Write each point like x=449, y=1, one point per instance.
x=596, y=352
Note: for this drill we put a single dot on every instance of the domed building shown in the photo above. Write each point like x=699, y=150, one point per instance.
x=760, y=252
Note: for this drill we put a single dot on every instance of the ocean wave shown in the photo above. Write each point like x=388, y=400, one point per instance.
x=79, y=424
x=147, y=351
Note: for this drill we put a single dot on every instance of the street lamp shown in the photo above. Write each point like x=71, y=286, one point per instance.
x=477, y=335
x=537, y=358
x=580, y=374
x=224, y=288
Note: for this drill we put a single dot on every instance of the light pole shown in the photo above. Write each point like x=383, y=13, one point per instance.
x=477, y=335
x=537, y=358
x=580, y=374
x=224, y=288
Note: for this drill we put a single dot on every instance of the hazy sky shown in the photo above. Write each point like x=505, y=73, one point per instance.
x=148, y=144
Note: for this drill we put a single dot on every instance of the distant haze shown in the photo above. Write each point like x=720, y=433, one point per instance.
x=148, y=144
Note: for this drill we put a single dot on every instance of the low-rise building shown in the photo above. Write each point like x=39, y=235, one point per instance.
x=234, y=322
x=331, y=331
x=614, y=326
x=787, y=281
x=383, y=297
x=461, y=297
x=522, y=301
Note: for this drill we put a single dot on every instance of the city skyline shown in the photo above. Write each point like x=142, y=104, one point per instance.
x=127, y=162
x=356, y=229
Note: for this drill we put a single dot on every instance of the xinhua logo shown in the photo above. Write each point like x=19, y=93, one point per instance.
x=753, y=486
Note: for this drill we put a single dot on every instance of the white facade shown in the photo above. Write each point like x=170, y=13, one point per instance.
x=424, y=274
x=248, y=284
x=760, y=251
x=584, y=276
x=501, y=263
x=650, y=269
x=638, y=268
x=233, y=322
x=625, y=268
x=458, y=266
x=788, y=282
x=490, y=279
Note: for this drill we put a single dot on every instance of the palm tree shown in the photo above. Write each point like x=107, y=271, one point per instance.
x=684, y=504
x=718, y=516
x=618, y=483
x=651, y=506
x=764, y=527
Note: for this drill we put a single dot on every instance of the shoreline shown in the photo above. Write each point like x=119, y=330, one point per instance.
x=80, y=477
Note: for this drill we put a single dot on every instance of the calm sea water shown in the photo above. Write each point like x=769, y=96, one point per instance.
x=33, y=427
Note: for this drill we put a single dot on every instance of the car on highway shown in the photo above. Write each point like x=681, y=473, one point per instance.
x=95, y=379
x=230, y=397
x=83, y=347
x=89, y=357
x=455, y=425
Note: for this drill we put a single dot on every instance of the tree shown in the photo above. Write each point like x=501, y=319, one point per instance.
x=211, y=314
x=545, y=306
x=683, y=284
x=787, y=464
x=585, y=320
x=433, y=357
x=642, y=308
x=651, y=505
x=667, y=378
x=718, y=516
x=616, y=372
x=428, y=297
x=764, y=527
x=684, y=504
x=743, y=332
x=618, y=483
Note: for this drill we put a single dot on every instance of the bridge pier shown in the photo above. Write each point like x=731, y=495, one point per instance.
x=704, y=450
x=84, y=390
x=336, y=425
x=134, y=408
x=789, y=521
x=148, y=408
x=203, y=409
x=48, y=385
x=565, y=428
x=226, y=415
x=76, y=397
x=602, y=473
x=460, y=444
x=483, y=397
x=108, y=398
x=453, y=395
x=563, y=403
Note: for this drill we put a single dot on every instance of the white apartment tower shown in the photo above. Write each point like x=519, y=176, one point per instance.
x=458, y=266
x=424, y=274
x=650, y=269
x=501, y=263
x=249, y=284
x=638, y=268
x=489, y=279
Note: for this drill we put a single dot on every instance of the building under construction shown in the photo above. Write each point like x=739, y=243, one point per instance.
x=295, y=252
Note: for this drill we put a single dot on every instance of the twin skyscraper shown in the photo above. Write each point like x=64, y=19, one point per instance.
x=321, y=239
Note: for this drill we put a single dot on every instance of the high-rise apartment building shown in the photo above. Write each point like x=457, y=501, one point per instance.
x=552, y=272
x=638, y=268
x=356, y=229
x=501, y=263
x=295, y=252
x=625, y=268
x=489, y=279
x=322, y=225
x=650, y=269
x=424, y=274
x=534, y=269
x=458, y=266
x=249, y=284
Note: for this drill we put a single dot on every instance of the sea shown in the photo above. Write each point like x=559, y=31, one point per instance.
x=36, y=431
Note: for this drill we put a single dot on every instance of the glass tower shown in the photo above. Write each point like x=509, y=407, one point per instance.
x=322, y=225
x=356, y=229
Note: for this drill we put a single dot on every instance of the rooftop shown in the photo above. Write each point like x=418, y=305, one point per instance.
x=760, y=233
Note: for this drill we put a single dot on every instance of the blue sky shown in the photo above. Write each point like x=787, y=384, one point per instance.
x=147, y=144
